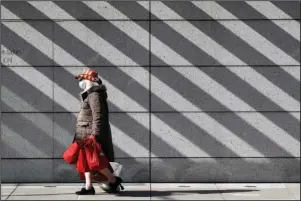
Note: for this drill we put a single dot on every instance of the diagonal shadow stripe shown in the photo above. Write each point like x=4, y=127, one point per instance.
x=109, y=32
x=185, y=119
x=12, y=151
x=214, y=140
x=66, y=83
x=39, y=94
x=85, y=15
x=226, y=152
x=10, y=79
x=27, y=8
x=292, y=8
x=232, y=82
x=176, y=86
x=274, y=78
x=28, y=96
x=164, y=34
x=286, y=23
x=242, y=50
x=245, y=94
x=281, y=79
x=66, y=40
x=124, y=126
x=36, y=93
x=193, y=133
x=21, y=118
x=31, y=58
x=12, y=40
x=121, y=152
x=269, y=30
x=258, y=140
x=76, y=48
x=226, y=78
x=206, y=60
x=18, y=4
x=133, y=7
x=39, y=140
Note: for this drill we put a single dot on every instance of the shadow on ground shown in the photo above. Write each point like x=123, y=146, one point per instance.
x=152, y=193
x=168, y=193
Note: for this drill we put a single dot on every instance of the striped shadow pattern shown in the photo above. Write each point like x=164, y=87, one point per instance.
x=199, y=91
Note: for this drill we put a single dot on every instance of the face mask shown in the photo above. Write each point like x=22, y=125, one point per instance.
x=82, y=84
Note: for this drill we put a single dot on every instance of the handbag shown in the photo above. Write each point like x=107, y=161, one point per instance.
x=116, y=168
x=70, y=155
x=93, y=154
x=82, y=165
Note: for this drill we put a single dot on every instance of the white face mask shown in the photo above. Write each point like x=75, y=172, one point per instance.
x=82, y=84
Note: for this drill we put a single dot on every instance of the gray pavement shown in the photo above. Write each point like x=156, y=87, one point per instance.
x=163, y=191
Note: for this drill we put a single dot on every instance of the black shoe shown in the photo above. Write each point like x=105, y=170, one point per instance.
x=84, y=191
x=113, y=187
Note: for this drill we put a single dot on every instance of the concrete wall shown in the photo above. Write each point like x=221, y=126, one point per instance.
x=198, y=91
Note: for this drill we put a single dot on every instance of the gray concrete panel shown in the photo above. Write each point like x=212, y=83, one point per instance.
x=26, y=170
x=202, y=87
x=27, y=89
x=95, y=37
x=291, y=8
x=212, y=134
x=82, y=8
x=226, y=170
x=216, y=43
x=27, y=135
x=21, y=43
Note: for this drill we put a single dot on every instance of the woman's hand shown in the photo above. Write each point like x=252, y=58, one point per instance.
x=83, y=140
x=91, y=137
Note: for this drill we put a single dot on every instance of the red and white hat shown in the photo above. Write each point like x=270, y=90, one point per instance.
x=88, y=74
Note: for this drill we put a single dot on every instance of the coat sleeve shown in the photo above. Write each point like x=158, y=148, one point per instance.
x=95, y=105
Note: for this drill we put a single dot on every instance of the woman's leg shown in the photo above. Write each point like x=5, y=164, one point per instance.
x=88, y=190
x=109, y=175
x=88, y=180
x=113, y=181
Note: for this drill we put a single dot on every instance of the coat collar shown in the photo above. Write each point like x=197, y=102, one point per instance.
x=100, y=89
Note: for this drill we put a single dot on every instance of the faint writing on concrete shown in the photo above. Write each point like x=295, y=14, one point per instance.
x=7, y=55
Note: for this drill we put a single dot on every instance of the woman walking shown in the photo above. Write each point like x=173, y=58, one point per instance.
x=93, y=121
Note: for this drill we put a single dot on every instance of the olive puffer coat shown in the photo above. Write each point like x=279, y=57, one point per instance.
x=93, y=118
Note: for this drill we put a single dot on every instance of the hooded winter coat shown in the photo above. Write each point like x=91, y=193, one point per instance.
x=93, y=119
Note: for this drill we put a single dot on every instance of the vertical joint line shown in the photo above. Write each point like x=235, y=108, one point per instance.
x=150, y=101
x=53, y=63
x=1, y=147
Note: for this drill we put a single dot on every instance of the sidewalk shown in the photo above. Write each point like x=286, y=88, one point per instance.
x=158, y=192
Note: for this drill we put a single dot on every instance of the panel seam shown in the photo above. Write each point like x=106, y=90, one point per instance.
x=150, y=101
